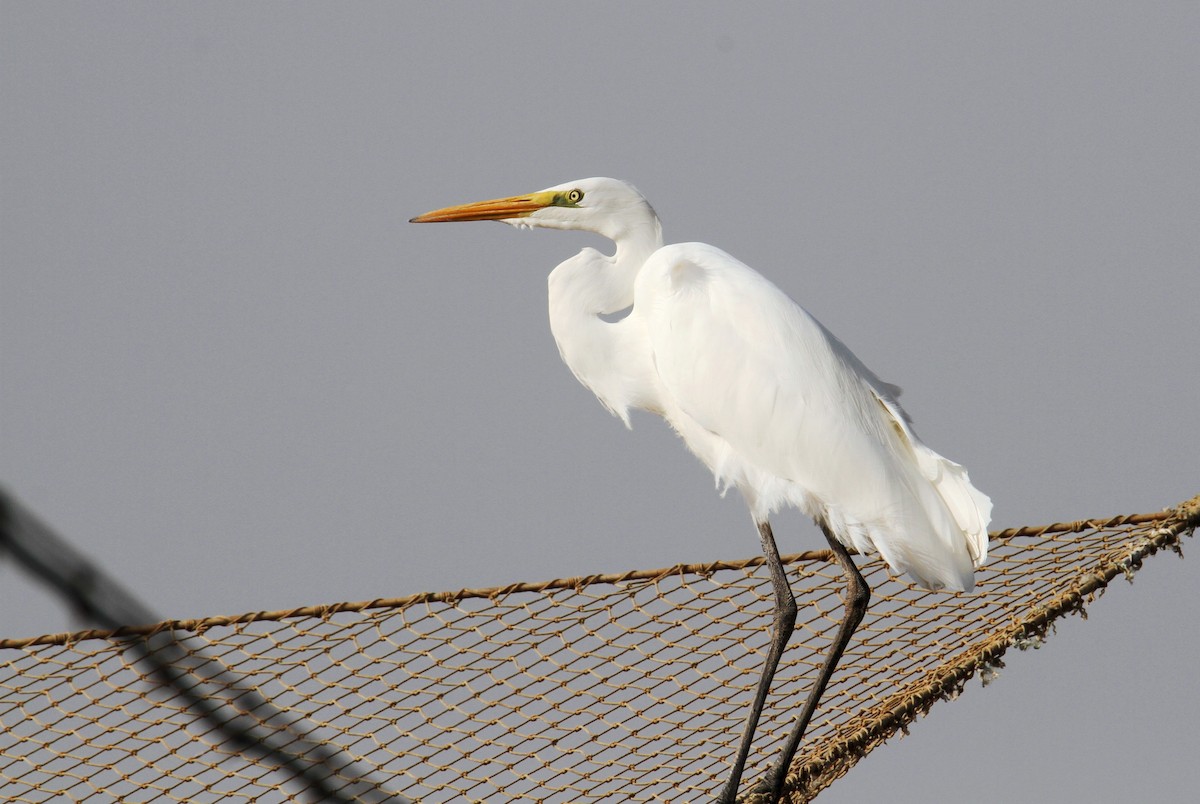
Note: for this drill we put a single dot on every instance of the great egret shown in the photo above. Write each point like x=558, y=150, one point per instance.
x=765, y=396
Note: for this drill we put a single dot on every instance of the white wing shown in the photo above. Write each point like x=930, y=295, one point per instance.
x=778, y=407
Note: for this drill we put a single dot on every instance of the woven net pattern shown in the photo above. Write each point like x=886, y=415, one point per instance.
x=630, y=687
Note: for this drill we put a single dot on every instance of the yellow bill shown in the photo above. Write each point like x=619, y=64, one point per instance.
x=496, y=209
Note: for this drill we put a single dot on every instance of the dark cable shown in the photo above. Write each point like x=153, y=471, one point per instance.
x=252, y=723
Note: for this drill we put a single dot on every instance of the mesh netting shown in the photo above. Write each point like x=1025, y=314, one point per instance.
x=610, y=688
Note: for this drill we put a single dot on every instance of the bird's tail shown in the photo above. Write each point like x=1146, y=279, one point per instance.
x=949, y=537
x=933, y=528
x=970, y=508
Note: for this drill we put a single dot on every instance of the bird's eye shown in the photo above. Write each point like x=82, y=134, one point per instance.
x=574, y=196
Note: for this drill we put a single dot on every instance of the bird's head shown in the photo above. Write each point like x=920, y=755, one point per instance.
x=608, y=207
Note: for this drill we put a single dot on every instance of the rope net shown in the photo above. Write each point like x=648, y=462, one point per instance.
x=625, y=687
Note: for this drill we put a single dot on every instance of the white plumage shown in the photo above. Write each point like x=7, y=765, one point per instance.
x=769, y=400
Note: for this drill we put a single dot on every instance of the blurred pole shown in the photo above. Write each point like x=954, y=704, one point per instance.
x=176, y=660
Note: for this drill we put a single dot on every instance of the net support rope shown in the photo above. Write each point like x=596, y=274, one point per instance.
x=619, y=687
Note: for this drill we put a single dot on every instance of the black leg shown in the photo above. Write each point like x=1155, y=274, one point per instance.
x=785, y=622
x=858, y=597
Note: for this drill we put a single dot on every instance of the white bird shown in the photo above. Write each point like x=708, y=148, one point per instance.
x=769, y=400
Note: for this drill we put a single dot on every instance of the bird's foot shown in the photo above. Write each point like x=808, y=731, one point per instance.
x=765, y=787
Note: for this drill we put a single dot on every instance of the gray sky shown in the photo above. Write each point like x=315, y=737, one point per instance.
x=235, y=375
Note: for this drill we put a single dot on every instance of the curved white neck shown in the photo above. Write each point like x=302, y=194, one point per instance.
x=606, y=357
